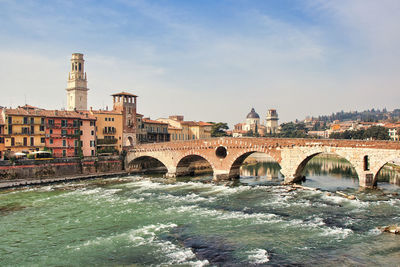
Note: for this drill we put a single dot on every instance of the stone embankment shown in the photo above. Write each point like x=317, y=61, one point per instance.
x=29, y=172
x=26, y=182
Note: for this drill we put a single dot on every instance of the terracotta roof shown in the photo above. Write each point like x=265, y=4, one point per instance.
x=48, y=113
x=29, y=107
x=106, y=112
x=124, y=94
x=154, y=122
x=202, y=123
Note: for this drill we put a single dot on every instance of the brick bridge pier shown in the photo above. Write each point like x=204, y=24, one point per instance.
x=226, y=154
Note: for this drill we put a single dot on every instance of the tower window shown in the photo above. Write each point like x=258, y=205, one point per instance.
x=72, y=66
x=80, y=67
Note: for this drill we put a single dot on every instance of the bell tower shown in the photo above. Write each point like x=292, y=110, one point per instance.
x=77, y=84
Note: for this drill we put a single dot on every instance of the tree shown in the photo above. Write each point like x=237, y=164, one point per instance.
x=219, y=129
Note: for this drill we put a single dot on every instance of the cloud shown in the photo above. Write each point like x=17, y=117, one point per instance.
x=179, y=60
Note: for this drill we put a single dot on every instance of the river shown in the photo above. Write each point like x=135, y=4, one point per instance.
x=147, y=220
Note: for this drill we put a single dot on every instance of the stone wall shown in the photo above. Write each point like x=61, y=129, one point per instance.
x=34, y=169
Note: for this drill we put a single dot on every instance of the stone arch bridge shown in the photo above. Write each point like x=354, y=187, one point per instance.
x=226, y=154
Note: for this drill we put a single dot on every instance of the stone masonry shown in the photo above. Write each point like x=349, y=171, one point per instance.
x=226, y=155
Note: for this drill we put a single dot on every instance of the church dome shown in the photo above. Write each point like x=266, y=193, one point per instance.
x=253, y=114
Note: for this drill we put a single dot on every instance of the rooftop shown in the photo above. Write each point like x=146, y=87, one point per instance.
x=146, y=120
x=124, y=94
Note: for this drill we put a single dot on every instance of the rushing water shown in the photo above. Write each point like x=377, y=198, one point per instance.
x=191, y=222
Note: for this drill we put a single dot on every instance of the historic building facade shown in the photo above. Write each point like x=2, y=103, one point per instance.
x=272, y=125
x=180, y=129
x=125, y=103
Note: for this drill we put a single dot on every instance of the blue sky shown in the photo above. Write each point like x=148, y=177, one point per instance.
x=209, y=60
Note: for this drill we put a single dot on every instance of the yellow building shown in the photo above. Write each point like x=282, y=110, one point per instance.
x=24, y=129
x=109, y=131
x=186, y=130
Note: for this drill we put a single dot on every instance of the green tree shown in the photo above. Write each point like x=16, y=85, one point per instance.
x=219, y=129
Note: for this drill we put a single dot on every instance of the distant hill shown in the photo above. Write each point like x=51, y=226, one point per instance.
x=373, y=115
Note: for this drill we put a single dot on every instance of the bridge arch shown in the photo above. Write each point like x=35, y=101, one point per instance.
x=149, y=163
x=380, y=165
x=184, y=165
x=240, y=157
x=301, y=165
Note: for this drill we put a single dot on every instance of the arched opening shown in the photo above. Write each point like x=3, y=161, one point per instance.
x=256, y=168
x=388, y=176
x=328, y=171
x=366, y=163
x=194, y=165
x=147, y=165
x=129, y=141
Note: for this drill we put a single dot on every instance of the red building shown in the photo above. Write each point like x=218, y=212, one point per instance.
x=63, y=133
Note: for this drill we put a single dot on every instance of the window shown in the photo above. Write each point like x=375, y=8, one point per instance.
x=76, y=143
x=106, y=119
x=12, y=141
x=9, y=120
x=63, y=123
x=51, y=141
x=63, y=132
x=64, y=153
x=42, y=140
x=1, y=140
x=366, y=163
x=80, y=66
x=51, y=131
x=92, y=123
x=92, y=132
x=32, y=141
x=25, y=120
x=64, y=143
x=32, y=121
x=41, y=128
x=51, y=122
x=112, y=119
x=25, y=141
x=81, y=123
x=41, y=120
x=92, y=152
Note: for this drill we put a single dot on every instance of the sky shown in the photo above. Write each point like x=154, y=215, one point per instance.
x=209, y=60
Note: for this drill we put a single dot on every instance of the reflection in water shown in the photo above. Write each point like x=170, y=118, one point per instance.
x=325, y=171
x=327, y=164
x=390, y=173
x=268, y=170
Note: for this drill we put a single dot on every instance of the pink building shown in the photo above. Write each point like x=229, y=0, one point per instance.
x=88, y=134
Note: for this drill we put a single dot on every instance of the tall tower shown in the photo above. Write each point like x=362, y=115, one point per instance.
x=272, y=121
x=77, y=84
x=126, y=104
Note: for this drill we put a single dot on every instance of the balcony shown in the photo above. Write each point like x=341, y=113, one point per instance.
x=107, y=141
x=59, y=125
x=109, y=131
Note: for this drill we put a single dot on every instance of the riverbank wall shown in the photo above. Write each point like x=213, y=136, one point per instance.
x=39, y=169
